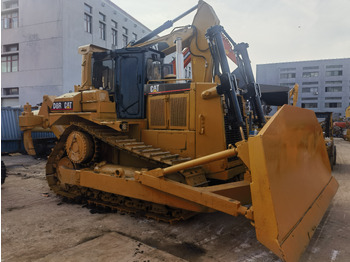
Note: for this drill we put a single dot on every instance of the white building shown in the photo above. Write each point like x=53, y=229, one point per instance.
x=324, y=85
x=40, y=40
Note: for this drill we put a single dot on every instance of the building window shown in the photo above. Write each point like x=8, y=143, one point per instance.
x=310, y=74
x=114, y=37
x=334, y=66
x=333, y=98
x=125, y=36
x=10, y=91
x=287, y=84
x=10, y=4
x=10, y=48
x=334, y=82
x=114, y=33
x=333, y=89
x=114, y=24
x=102, y=17
x=102, y=31
x=125, y=40
x=309, y=105
x=125, y=31
x=287, y=69
x=88, y=22
x=88, y=18
x=309, y=98
x=87, y=9
x=309, y=83
x=134, y=36
x=9, y=63
x=9, y=20
x=333, y=105
x=102, y=26
x=334, y=73
x=287, y=75
x=313, y=90
x=310, y=67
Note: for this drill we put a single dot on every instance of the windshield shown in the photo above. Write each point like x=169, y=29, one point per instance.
x=154, y=70
x=103, y=76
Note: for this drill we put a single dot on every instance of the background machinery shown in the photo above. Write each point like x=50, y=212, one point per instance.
x=168, y=149
x=326, y=122
x=342, y=128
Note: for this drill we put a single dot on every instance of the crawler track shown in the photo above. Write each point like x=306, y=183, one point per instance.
x=121, y=142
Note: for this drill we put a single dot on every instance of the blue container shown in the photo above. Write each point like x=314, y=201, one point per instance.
x=11, y=134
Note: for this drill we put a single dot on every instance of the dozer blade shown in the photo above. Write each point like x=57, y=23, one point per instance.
x=292, y=185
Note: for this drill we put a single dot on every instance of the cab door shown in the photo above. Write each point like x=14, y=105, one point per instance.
x=129, y=91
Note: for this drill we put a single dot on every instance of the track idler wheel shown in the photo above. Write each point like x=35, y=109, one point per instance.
x=79, y=147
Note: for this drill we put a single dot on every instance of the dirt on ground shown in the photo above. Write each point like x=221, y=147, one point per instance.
x=36, y=225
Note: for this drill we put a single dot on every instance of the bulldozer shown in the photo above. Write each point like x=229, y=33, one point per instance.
x=130, y=138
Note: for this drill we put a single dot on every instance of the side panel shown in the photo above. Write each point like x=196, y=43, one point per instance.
x=69, y=102
x=210, y=127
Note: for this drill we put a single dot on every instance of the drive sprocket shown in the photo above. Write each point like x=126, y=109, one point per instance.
x=79, y=147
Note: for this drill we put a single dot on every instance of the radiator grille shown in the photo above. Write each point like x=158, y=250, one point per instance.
x=178, y=111
x=157, y=112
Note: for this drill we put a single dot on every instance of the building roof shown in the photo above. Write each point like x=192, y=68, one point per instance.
x=307, y=61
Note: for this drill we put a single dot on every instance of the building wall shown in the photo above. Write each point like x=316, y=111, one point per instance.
x=49, y=33
x=324, y=85
x=39, y=38
x=73, y=29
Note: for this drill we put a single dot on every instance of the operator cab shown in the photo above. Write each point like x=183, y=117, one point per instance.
x=123, y=73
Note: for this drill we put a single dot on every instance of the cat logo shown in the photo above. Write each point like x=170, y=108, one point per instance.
x=68, y=105
x=154, y=88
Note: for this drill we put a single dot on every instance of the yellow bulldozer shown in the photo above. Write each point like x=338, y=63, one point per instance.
x=131, y=138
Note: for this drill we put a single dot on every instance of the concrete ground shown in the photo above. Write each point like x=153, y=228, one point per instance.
x=37, y=226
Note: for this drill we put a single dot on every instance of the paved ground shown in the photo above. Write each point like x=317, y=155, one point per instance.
x=37, y=226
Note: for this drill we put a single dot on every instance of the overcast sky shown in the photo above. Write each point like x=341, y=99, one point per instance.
x=276, y=30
